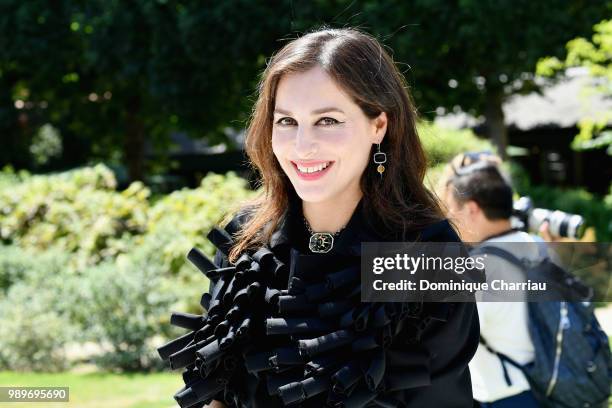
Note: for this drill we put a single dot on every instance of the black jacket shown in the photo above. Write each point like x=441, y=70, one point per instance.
x=307, y=340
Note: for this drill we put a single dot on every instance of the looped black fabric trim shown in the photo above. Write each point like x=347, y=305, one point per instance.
x=326, y=347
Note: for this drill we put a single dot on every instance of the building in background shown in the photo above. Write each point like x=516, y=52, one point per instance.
x=541, y=127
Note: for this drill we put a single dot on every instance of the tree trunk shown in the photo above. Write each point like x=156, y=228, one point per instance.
x=134, y=140
x=494, y=117
x=15, y=140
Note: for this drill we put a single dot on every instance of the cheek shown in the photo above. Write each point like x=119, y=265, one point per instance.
x=281, y=141
x=338, y=137
x=347, y=142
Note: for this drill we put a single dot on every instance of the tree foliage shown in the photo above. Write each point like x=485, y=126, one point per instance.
x=114, y=75
x=111, y=75
x=596, y=55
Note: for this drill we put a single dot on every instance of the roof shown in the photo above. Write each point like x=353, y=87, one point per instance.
x=561, y=104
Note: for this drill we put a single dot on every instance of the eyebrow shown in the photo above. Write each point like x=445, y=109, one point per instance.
x=314, y=112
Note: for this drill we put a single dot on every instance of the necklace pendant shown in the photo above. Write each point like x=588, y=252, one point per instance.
x=321, y=242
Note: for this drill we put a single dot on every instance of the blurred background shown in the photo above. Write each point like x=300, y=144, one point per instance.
x=121, y=132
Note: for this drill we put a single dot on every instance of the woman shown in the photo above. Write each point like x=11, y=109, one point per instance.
x=333, y=136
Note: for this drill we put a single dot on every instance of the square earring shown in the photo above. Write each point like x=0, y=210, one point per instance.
x=380, y=158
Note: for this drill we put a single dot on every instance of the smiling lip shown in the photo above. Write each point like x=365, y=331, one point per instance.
x=312, y=176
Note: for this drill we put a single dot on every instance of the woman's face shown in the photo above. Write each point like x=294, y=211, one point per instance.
x=321, y=138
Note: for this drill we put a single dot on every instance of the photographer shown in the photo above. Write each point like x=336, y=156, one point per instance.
x=479, y=201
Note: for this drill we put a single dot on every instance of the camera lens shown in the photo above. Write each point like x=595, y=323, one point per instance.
x=567, y=225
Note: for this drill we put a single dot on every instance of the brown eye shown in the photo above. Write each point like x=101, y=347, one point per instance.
x=328, y=121
x=285, y=121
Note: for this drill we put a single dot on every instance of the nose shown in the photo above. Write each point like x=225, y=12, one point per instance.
x=305, y=143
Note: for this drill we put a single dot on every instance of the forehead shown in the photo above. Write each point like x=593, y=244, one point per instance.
x=310, y=90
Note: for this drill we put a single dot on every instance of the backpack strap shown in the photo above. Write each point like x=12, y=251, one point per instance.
x=542, y=249
x=503, y=359
x=502, y=253
x=508, y=256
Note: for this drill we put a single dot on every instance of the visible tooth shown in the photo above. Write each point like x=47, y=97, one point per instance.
x=312, y=169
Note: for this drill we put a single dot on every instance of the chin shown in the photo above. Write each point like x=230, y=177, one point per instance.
x=313, y=196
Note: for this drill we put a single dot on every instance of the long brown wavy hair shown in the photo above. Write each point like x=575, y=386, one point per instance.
x=362, y=68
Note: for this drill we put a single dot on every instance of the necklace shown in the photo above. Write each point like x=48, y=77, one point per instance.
x=321, y=242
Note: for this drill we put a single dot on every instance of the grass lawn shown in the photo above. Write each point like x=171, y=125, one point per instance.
x=97, y=390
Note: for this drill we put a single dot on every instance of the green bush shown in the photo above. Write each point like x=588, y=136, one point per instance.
x=442, y=144
x=40, y=269
x=41, y=304
x=123, y=303
x=123, y=258
x=34, y=335
x=519, y=176
x=125, y=306
x=186, y=216
x=9, y=177
x=113, y=262
x=13, y=267
x=78, y=212
x=88, y=263
x=36, y=310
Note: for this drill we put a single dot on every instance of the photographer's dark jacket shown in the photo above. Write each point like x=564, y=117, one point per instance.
x=286, y=327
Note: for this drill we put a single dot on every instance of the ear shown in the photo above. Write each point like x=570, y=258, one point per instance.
x=473, y=208
x=379, y=125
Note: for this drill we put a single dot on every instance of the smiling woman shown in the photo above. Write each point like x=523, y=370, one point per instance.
x=320, y=132
x=285, y=324
x=335, y=97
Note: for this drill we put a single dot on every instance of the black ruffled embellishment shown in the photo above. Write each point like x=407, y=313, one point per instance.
x=308, y=340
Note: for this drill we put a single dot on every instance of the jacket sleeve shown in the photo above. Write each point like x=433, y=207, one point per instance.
x=451, y=345
x=451, y=342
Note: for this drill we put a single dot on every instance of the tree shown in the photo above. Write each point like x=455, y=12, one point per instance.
x=470, y=54
x=114, y=74
x=596, y=55
x=111, y=74
x=474, y=54
x=36, y=46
